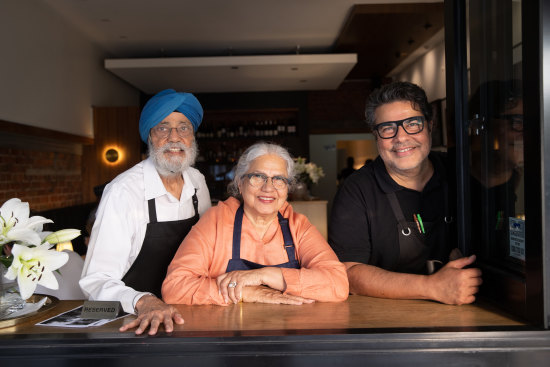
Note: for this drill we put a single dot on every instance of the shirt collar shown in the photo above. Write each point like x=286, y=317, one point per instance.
x=154, y=187
x=188, y=188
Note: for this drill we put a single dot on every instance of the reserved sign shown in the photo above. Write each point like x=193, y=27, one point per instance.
x=98, y=310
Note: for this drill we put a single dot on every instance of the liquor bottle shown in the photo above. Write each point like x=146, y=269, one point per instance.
x=291, y=128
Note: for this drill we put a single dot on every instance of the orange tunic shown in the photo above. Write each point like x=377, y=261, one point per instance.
x=206, y=250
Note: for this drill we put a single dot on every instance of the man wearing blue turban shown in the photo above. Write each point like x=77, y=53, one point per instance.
x=145, y=213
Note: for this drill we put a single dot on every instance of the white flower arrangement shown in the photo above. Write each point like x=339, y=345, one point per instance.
x=309, y=173
x=32, y=259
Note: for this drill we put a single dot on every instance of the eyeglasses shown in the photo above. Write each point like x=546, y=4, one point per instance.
x=516, y=121
x=164, y=131
x=411, y=125
x=259, y=179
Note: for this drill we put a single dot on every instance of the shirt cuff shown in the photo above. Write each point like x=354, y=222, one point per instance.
x=136, y=299
x=292, y=280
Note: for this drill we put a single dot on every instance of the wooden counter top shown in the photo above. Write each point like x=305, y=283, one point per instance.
x=357, y=312
x=361, y=331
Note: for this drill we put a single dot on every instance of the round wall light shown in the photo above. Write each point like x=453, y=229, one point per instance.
x=111, y=155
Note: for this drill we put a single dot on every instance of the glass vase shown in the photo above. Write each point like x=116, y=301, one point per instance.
x=300, y=192
x=10, y=299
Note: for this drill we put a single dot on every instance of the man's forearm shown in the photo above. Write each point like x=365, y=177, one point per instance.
x=368, y=280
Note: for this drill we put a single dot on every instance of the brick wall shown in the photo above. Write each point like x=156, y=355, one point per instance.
x=45, y=179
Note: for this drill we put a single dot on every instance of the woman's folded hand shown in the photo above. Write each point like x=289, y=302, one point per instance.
x=231, y=284
x=262, y=294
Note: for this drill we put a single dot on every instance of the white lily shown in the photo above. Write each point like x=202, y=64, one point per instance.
x=35, y=265
x=16, y=226
x=63, y=235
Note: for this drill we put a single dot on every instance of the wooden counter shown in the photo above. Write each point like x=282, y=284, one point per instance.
x=390, y=332
x=255, y=318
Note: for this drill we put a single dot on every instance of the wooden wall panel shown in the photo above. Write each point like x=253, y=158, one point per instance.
x=114, y=127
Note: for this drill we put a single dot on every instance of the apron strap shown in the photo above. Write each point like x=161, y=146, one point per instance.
x=396, y=208
x=287, y=236
x=152, y=211
x=237, y=227
x=195, y=202
x=448, y=213
x=283, y=222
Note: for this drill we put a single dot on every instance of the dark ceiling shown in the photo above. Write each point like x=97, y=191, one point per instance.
x=383, y=35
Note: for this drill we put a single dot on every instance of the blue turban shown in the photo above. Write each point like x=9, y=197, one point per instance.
x=164, y=103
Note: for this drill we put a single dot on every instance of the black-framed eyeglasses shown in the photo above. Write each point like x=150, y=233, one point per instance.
x=411, y=125
x=259, y=179
x=164, y=131
x=515, y=120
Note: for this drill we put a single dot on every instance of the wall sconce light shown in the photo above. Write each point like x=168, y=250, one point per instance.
x=111, y=155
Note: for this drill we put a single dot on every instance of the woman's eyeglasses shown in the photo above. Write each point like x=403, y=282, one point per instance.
x=259, y=179
x=411, y=125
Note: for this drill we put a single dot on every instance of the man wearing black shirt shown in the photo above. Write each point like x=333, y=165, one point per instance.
x=390, y=221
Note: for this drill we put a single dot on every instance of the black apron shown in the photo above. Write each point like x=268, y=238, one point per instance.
x=160, y=244
x=236, y=263
x=415, y=256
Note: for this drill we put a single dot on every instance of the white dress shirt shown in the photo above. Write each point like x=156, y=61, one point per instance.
x=121, y=222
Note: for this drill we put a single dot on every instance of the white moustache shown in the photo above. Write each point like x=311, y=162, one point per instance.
x=171, y=146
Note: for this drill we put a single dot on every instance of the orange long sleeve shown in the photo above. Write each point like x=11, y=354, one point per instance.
x=205, y=252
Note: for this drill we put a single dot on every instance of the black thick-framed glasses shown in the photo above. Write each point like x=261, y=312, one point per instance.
x=163, y=131
x=411, y=125
x=515, y=120
x=259, y=179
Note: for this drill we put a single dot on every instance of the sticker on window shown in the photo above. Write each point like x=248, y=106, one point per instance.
x=517, y=238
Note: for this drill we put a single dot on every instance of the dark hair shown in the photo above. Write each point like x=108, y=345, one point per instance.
x=395, y=92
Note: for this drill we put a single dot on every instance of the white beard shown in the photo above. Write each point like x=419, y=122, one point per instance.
x=173, y=166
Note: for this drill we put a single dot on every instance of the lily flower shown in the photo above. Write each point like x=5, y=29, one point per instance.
x=35, y=265
x=16, y=226
x=63, y=235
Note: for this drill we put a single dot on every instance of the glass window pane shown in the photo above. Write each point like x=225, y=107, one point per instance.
x=496, y=133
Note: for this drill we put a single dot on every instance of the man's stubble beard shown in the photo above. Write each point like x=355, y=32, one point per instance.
x=167, y=167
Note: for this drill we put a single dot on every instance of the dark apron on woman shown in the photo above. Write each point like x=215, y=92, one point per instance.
x=160, y=244
x=236, y=263
x=415, y=255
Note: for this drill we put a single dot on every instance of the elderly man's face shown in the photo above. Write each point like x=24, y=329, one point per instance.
x=172, y=144
x=404, y=153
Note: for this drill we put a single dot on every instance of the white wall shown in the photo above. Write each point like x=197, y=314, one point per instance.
x=50, y=74
x=428, y=71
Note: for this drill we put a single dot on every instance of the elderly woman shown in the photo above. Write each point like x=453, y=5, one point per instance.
x=253, y=247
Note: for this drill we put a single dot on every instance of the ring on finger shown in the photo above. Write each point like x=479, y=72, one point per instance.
x=232, y=285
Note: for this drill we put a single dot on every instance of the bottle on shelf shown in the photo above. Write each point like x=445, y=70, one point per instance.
x=291, y=128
